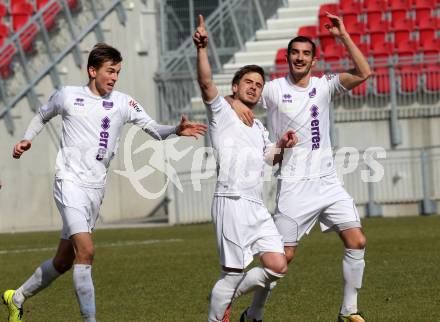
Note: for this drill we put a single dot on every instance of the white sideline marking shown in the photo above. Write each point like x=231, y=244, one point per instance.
x=103, y=245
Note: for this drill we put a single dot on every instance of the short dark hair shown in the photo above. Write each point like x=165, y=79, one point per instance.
x=101, y=53
x=301, y=39
x=247, y=69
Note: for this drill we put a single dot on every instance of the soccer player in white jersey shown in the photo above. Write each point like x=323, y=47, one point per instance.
x=308, y=188
x=243, y=225
x=92, y=121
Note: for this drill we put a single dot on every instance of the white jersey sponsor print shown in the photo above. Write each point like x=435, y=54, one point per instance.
x=239, y=151
x=91, y=127
x=306, y=111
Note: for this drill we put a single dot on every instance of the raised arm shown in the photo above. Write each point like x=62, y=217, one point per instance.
x=204, y=74
x=361, y=71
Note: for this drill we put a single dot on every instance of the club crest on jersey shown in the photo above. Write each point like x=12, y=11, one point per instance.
x=314, y=127
x=107, y=105
x=134, y=104
x=287, y=98
x=312, y=93
x=79, y=101
x=105, y=123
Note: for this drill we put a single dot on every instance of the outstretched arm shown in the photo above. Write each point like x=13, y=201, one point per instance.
x=361, y=71
x=204, y=74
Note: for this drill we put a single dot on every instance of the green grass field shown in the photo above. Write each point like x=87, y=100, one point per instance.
x=166, y=274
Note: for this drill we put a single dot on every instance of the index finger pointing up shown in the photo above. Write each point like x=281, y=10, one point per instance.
x=201, y=21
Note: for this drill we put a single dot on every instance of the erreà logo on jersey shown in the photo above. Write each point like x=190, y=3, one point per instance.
x=103, y=139
x=312, y=93
x=79, y=101
x=314, y=127
x=287, y=98
x=134, y=104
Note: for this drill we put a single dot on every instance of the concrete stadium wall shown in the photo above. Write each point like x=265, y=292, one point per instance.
x=26, y=201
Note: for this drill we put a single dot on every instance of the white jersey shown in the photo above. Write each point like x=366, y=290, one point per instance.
x=306, y=111
x=239, y=151
x=91, y=127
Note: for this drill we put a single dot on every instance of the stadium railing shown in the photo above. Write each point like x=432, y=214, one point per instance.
x=230, y=25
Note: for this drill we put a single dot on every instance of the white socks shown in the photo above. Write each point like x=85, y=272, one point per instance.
x=85, y=292
x=353, y=269
x=257, y=277
x=261, y=295
x=222, y=294
x=42, y=277
x=232, y=285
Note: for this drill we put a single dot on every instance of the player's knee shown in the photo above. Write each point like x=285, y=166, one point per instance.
x=359, y=243
x=85, y=255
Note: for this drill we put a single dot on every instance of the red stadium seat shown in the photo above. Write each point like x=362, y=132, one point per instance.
x=333, y=53
x=6, y=55
x=350, y=18
x=432, y=78
x=382, y=81
x=375, y=5
x=399, y=4
x=423, y=13
x=401, y=36
x=3, y=10
x=333, y=8
x=408, y=79
x=355, y=27
x=428, y=23
x=382, y=50
x=4, y=30
x=21, y=12
x=308, y=31
x=424, y=3
x=399, y=14
x=430, y=47
x=374, y=18
x=360, y=90
x=27, y=36
x=350, y=7
x=281, y=56
x=49, y=15
x=426, y=34
x=402, y=24
x=327, y=41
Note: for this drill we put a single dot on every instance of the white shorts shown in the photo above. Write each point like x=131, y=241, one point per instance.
x=243, y=228
x=78, y=207
x=300, y=204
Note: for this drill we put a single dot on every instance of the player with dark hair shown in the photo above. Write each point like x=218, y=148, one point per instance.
x=243, y=225
x=308, y=188
x=92, y=120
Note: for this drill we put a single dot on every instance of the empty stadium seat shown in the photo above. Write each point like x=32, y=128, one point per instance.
x=326, y=41
x=50, y=13
x=431, y=78
x=400, y=4
x=424, y=3
x=6, y=55
x=382, y=50
x=408, y=79
x=423, y=13
x=3, y=10
x=401, y=36
x=308, y=31
x=4, y=30
x=360, y=90
x=382, y=81
x=430, y=47
x=21, y=12
x=333, y=8
x=375, y=5
x=333, y=53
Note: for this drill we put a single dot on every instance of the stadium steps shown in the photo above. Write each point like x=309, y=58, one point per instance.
x=263, y=49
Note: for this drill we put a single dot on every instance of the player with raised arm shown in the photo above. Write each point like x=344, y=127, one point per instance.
x=243, y=225
x=308, y=188
x=92, y=120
